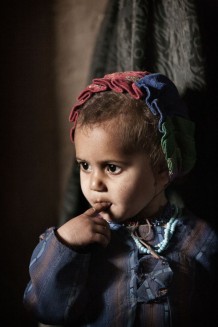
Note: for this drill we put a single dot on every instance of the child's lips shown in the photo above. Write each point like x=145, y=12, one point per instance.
x=103, y=203
x=106, y=208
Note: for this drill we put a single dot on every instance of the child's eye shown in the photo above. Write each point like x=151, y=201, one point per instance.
x=84, y=166
x=113, y=169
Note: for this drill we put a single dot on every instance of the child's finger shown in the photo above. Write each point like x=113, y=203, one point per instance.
x=102, y=239
x=97, y=208
x=101, y=226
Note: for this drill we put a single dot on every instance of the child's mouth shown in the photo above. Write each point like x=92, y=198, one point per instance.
x=107, y=209
x=105, y=203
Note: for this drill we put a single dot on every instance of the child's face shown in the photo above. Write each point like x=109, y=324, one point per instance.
x=107, y=174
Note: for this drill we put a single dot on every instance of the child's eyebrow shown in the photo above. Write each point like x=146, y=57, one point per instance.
x=107, y=161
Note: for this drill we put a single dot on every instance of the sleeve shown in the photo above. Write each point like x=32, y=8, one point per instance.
x=56, y=292
x=205, y=297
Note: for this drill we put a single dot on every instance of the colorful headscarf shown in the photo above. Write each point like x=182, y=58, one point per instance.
x=162, y=98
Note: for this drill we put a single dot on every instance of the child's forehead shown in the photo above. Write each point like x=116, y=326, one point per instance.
x=120, y=128
x=111, y=128
x=101, y=145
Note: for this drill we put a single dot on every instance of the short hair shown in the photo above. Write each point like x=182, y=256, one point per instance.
x=137, y=127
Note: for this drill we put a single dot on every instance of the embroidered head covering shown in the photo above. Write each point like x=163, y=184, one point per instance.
x=163, y=100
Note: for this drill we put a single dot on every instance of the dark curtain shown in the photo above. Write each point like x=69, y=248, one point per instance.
x=177, y=38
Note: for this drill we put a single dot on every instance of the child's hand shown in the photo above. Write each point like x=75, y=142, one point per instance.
x=88, y=228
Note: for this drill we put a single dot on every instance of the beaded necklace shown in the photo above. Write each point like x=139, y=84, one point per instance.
x=161, y=246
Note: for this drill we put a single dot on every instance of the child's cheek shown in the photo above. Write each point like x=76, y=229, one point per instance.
x=85, y=187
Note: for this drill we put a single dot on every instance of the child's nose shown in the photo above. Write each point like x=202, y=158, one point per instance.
x=97, y=182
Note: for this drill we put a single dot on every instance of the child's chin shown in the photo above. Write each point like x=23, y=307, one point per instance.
x=106, y=216
x=111, y=215
x=114, y=219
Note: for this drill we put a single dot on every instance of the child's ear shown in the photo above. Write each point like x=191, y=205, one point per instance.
x=162, y=177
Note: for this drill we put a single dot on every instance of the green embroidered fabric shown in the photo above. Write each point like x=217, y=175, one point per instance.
x=178, y=145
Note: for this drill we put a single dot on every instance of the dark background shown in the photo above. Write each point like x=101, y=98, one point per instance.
x=200, y=190
x=30, y=173
x=29, y=146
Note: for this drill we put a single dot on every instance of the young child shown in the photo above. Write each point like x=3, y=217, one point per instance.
x=137, y=256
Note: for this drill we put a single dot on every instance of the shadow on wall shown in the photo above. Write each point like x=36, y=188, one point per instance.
x=29, y=147
x=202, y=183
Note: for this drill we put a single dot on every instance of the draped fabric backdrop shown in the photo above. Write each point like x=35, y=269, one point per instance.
x=161, y=35
x=176, y=38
